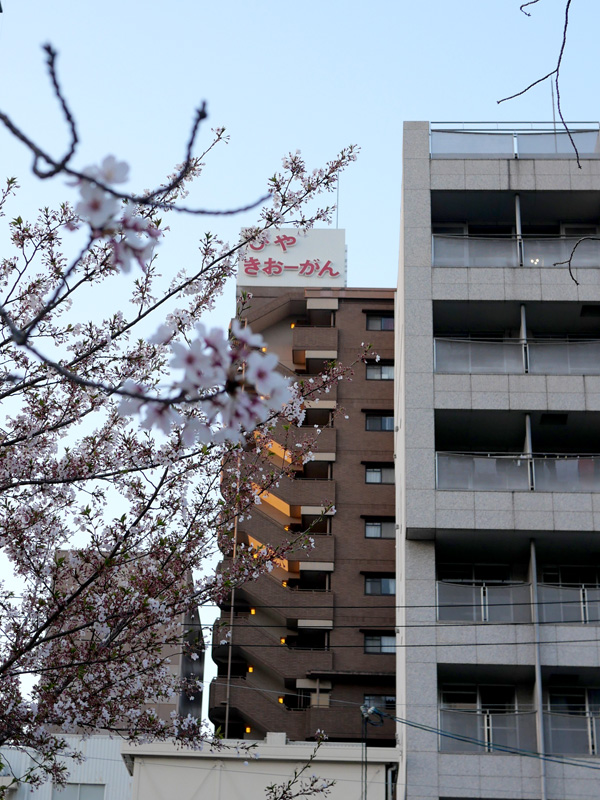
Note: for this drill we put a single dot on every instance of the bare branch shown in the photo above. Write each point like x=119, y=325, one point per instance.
x=569, y=260
x=556, y=73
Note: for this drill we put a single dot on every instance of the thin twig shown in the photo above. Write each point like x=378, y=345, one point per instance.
x=62, y=166
x=51, y=52
x=556, y=73
x=530, y=3
x=569, y=260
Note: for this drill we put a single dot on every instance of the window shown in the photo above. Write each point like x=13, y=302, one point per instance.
x=380, y=321
x=381, y=701
x=79, y=791
x=380, y=372
x=380, y=643
x=380, y=584
x=379, y=421
x=380, y=528
x=379, y=473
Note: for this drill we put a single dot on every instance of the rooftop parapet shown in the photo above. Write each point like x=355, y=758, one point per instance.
x=513, y=140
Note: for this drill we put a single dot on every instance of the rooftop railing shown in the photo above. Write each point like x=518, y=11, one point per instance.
x=517, y=472
x=513, y=140
x=511, y=251
x=516, y=357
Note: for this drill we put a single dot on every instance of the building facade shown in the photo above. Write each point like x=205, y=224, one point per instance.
x=498, y=465
x=314, y=640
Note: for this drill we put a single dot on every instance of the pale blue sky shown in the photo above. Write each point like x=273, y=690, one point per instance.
x=313, y=75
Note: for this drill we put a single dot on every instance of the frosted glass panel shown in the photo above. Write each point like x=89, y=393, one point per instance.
x=459, y=602
x=547, y=252
x=462, y=723
x=508, y=603
x=559, y=604
x=468, y=356
x=450, y=143
x=470, y=472
x=557, y=143
x=564, y=358
x=567, y=734
x=462, y=251
x=576, y=474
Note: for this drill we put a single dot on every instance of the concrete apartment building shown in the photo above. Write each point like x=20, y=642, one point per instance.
x=498, y=472
x=314, y=639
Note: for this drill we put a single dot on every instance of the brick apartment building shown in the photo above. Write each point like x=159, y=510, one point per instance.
x=314, y=639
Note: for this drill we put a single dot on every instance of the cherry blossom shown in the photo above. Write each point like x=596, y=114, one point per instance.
x=126, y=459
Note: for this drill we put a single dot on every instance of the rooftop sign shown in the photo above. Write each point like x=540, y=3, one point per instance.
x=316, y=258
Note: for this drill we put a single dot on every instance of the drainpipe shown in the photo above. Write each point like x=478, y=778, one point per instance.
x=529, y=452
x=520, y=255
x=539, y=702
x=523, y=338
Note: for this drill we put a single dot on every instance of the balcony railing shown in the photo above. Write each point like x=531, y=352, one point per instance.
x=517, y=472
x=571, y=734
x=514, y=356
x=460, y=602
x=470, y=251
x=508, y=140
x=580, y=604
x=486, y=732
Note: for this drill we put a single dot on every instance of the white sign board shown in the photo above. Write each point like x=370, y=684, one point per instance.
x=316, y=258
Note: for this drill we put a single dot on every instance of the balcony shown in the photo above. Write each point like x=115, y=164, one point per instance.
x=487, y=732
x=507, y=140
x=509, y=251
x=261, y=646
x=572, y=734
x=516, y=357
x=495, y=603
x=517, y=472
x=288, y=603
x=305, y=492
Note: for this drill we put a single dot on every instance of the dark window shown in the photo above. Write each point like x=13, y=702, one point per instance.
x=380, y=321
x=380, y=371
x=379, y=473
x=382, y=584
x=380, y=643
x=379, y=421
x=380, y=529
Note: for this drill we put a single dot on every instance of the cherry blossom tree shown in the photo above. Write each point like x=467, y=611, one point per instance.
x=130, y=442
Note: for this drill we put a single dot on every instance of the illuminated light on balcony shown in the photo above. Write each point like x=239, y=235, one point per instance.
x=248, y=729
x=284, y=584
x=286, y=527
x=534, y=261
x=263, y=349
x=282, y=640
x=292, y=325
x=250, y=668
x=280, y=699
x=253, y=611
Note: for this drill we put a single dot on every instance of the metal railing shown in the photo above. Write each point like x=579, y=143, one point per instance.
x=484, y=731
x=512, y=251
x=517, y=472
x=463, y=602
x=579, y=604
x=515, y=356
x=512, y=140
